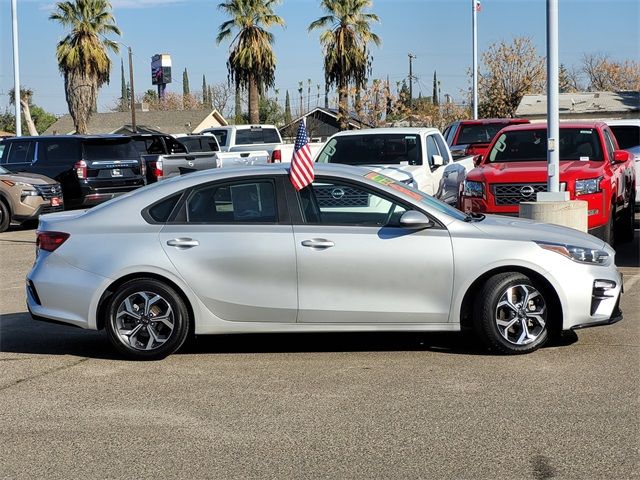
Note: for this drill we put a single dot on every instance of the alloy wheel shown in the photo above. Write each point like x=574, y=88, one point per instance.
x=521, y=314
x=144, y=321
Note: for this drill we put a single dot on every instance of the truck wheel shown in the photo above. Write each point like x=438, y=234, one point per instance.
x=5, y=217
x=627, y=223
x=146, y=319
x=510, y=314
x=610, y=229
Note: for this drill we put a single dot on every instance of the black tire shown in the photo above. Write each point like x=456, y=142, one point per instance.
x=151, y=322
x=5, y=216
x=609, y=235
x=626, y=224
x=488, y=312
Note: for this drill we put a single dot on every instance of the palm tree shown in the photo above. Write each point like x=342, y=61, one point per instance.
x=346, y=56
x=251, y=61
x=82, y=54
x=25, y=104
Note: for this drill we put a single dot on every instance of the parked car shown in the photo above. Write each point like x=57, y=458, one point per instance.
x=416, y=156
x=244, y=138
x=24, y=197
x=472, y=137
x=592, y=168
x=627, y=133
x=90, y=169
x=240, y=250
x=166, y=156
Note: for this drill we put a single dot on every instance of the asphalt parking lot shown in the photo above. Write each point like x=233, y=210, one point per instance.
x=315, y=406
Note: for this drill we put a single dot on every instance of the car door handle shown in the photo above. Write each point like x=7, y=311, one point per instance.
x=183, y=243
x=318, y=243
x=190, y=157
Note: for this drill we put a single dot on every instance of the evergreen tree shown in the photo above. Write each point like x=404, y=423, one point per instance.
x=287, y=109
x=185, y=83
x=124, y=94
x=205, y=92
x=238, y=118
x=435, y=89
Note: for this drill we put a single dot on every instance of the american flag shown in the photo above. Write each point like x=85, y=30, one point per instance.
x=301, y=171
x=477, y=6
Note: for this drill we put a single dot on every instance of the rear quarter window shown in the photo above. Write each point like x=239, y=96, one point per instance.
x=161, y=211
x=59, y=152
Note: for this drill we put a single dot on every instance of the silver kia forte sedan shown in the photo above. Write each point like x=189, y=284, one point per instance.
x=240, y=250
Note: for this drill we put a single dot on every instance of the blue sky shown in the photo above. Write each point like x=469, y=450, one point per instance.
x=437, y=31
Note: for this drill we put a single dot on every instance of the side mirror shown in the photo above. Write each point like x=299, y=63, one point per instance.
x=415, y=220
x=621, y=156
x=477, y=160
x=438, y=161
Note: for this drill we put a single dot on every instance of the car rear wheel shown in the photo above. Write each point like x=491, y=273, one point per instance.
x=146, y=319
x=5, y=217
x=510, y=314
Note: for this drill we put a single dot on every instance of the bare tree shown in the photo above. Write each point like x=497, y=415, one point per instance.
x=603, y=74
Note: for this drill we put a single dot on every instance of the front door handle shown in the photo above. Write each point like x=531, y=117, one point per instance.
x=183, y=243
x=318, y=243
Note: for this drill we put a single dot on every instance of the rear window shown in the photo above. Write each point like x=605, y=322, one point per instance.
x=109, y=150
x=470, y=134
x=249, y=136
x=377, y=149
x=531, y=145
x=200, y=144
x=628, y=136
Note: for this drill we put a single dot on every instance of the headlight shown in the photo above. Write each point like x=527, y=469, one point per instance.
x=590, y=185
x=473, y=189
x=28, y=193
x=591, y=256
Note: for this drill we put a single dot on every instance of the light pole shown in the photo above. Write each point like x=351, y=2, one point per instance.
x=16, y=69
x=474, y=23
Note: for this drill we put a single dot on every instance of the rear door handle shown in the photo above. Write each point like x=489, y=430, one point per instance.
x=318, y=243
x=183, y=243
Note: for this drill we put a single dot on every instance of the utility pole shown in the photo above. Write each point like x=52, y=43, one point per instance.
x=133, y=95
x=411, y=57
x=17, y=95
x=474, y=9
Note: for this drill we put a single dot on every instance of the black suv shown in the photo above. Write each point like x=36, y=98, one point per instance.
x=91, y=169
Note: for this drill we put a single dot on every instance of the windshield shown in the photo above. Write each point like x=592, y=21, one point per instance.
x=416, y=194
x=4, y=171
x=109, y=150
x=374, y=149
x=531, y=145
x=478, y=133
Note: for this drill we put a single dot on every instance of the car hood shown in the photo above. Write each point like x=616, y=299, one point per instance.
x=528, y=172
x=30, y=178
x=400, y=173
x=512, y=228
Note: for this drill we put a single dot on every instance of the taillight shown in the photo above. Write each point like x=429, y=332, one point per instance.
x=143, y=168
x=49, y=241
x=156, y=169
x=81, y=169
x=276, y=156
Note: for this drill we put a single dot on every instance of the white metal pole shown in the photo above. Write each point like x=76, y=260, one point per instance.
x=474, y=23
x=16, y=69
x=553, y=108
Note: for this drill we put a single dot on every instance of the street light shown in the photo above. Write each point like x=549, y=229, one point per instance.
x=16, y=69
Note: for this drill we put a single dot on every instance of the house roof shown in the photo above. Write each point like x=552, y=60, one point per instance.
x=166, y=121
x=583, y=103
x=332, y=112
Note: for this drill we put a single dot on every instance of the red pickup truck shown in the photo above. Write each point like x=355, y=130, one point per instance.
x=592, y=168
x=472, y=137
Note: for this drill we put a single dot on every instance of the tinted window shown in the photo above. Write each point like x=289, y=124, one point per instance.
x=59, y=152
x=20, y=151
x=336, y=203
x=1, y=149
x=200, y=144
x=377, y=149
x=609, y=144
x=478, y=133
x=249, y=136
x=247, y=202
x=531, y=145
x=160, y=212
x=109, y=150
x=221, y=135
x=627, y=135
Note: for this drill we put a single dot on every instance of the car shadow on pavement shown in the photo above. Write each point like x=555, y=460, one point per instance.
x=628, y=254
x=20, y=334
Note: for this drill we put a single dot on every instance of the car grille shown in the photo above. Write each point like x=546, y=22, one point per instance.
x=49, y=191
x=514, y=193
x=340, y=196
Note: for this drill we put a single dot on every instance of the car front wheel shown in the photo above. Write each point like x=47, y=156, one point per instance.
x=146, y=319
x=5, y=217
x=511, y=314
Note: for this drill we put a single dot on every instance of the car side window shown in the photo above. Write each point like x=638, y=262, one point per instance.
x=609, y=145
x=338, y=203
x=55, y=152
x=432, y=149
x=238, y=202
x=20, y=151
x=442, y=147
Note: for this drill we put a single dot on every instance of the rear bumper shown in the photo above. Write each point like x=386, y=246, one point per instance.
x=91, y=196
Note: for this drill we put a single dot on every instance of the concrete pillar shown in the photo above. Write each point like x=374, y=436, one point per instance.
x=571, y=214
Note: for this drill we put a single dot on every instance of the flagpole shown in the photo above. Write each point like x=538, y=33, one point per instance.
x=474, y=23
x=16, y=69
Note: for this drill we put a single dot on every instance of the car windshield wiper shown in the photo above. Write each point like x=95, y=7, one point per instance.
x=474, y=217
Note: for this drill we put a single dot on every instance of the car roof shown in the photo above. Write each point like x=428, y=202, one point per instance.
x=70, y=137
x=386, y=131
x=631, y=122
x=485, y=121
x=543, y=126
